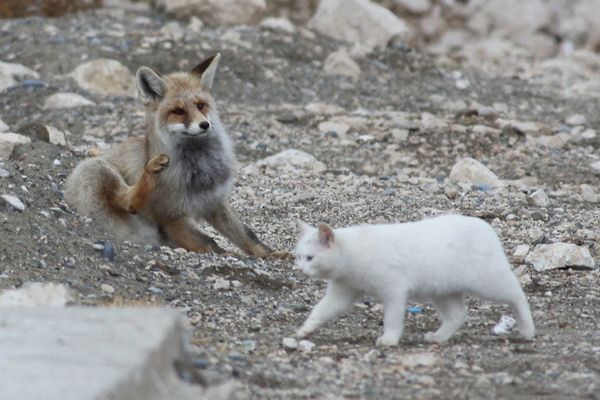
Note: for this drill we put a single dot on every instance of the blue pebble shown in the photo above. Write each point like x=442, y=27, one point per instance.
x=201, y=363
x=483, y=187
x=415, y=310
x=108, y=251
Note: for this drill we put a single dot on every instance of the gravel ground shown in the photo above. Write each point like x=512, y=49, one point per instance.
x=409, y=122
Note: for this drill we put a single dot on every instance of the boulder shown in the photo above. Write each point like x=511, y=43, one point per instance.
x=217, y=12
x=357, y=21
x=8, y=142
x=66, y=100
x=106, y=77
x=559, y=255
x=292, y=160
x=473, y=172
x=11, y=72
x=340, y=63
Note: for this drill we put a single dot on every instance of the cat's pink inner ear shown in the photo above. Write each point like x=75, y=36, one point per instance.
x=325, y=235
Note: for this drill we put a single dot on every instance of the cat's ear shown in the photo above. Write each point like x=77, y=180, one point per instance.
x=325, y=235
x=304, y=227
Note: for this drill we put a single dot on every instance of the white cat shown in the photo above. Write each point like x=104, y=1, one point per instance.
x=436, y=260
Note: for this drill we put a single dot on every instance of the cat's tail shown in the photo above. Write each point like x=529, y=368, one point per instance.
x=520, y=307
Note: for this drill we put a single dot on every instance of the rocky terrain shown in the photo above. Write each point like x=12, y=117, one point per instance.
x=392, y=127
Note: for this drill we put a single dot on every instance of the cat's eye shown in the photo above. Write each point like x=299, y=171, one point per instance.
x=309, y=258
x=178, y=111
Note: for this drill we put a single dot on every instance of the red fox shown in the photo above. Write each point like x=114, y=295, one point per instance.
x=155, y=188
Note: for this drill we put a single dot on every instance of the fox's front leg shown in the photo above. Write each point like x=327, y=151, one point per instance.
x=229, y=225
x=337, y=300
x=135, y=197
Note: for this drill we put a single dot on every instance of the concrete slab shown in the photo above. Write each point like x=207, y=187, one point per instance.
x=79, y=353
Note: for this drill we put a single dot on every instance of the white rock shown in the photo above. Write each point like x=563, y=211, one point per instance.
x=8, y=142
x=412, y=360
x=37, y=294
x=539, y=198
x=340, y=63
x=588, y=194
x=340, y=128
x=361, y=21
x=473, y=172
x=529, y=128
x=10, y=72
x=108, y=289
x=13, y=201
x=588, y=134
x=66, y=100
x=278, y=24
x=293, y=159
x=504, y=326
x=414, y=6
x=105, y=76
x=576, y=119
x=221, y=284
x=559, y=255
x=173, y=31
x=289, y=343
x=595, y=167
x=521, y=250
x=305, y=346
x=510, y=17
x=3, y=127
x=217, y=12
x=557, y=141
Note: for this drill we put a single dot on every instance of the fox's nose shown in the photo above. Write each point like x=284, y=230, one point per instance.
x=204, y=125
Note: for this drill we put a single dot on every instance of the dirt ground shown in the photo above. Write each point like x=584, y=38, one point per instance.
x=273, y=94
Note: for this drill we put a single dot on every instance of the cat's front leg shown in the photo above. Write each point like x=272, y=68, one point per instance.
x=337, y=300
x=393, y=321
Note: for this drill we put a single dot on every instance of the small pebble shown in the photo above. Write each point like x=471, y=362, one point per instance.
x=108, y=251
x=305, y=346
x=70, y=262
x=108, y=289
x=13, y=201
x=155, y=290
x=289, y=343
x=4, y=173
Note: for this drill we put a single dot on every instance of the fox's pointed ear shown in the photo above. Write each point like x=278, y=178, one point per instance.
x=304, y=227
x=325, y=235
x=150, y=84
x=206, y=70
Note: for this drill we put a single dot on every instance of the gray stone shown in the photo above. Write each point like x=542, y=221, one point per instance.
x=472, y=172
x=588, y=194
x=293, y=160
x=105, y=76
x=221, y=284
x=576, y=119
x=357, y=21
x=340, y=63
x=278, y=24
x=8, y=142
x=595, y=167
x=93, y=353
x=10, y=72
x=108, y=289
x=66, y=100
x=305, y=346
x=539, y=198
x=3, y=127
x=219, y=12
x=13, y=201
x=289, y=343
x=559, y=255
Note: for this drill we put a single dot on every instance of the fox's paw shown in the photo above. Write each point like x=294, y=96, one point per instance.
x=158, y=164
x=279, y=255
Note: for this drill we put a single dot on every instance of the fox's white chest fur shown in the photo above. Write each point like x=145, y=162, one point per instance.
x=438, y=260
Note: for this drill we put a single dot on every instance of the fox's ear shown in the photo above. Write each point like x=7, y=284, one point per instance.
x=150, y=84
x=325, y=235
x=206, y=70
x=304, y=227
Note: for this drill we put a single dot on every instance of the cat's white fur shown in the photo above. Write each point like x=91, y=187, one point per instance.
x=437, y=260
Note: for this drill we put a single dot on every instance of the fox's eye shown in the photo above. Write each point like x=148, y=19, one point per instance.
x=178, y=111
x=201, y=106
x=309, y=258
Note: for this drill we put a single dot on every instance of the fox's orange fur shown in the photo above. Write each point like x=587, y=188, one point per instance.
x=155, y=188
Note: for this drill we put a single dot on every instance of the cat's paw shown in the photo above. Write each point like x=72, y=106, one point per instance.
x=158, y=164
x=431, y=337
x=386, y=341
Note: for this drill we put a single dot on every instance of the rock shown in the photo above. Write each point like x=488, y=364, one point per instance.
x=305, y=346
x=3, y=127
x=13, y=201
x=504, y=326
x=559, y=255
x=37, y=294
x=290, y=343
x=413, y=360
x=539, y=198
x=372, y=355
x=472, y=172
x=278, y=24
x=557, y=141
x=340, y=63
x=528, y=128
x=357, y=21
x=8, y=142
x=10, y=72
x=108, y=289
x=292, y=159
x=217, y=12
x=588, y=194
x=45, y=133
x=595, y=167
x=414, y=6
x=66, y=100
x=576, y=119
x=4, y=173
x=221, y=284
x=172, y=31
x=508, y=17
x=340, y=128
x=521, y=251
x=106, y=77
